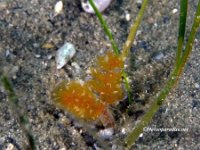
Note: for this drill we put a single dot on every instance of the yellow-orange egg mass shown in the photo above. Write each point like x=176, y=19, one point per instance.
x=110, y=61
x=107, y=85
x=106, y=77
x=78, y=100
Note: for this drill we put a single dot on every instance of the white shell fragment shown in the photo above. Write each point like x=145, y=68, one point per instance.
x=106, y=134
x=159, y=56
x=58, y=7
x=174, y=11
x=100, y=4
x=64, y=54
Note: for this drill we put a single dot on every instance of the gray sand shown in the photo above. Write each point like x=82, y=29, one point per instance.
x=26, y=26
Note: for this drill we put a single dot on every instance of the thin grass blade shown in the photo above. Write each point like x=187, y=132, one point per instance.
x=134, y=28
x=181, y=34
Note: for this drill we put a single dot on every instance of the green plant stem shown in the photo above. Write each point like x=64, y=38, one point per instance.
x=23, y=121
x=129, y=41
x=181, y=34
x=133, y=30
x=190, y=42
x=127, y=86
x=105, y=27
x=173, y=79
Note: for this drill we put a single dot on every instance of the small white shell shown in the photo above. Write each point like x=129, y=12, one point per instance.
x=106, y=134
x=100, y=4
x=64, y=54
x=58, y=7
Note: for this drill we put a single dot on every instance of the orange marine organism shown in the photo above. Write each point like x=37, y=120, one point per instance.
x=90, y=100
x=106, y=78
x=78, y=100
